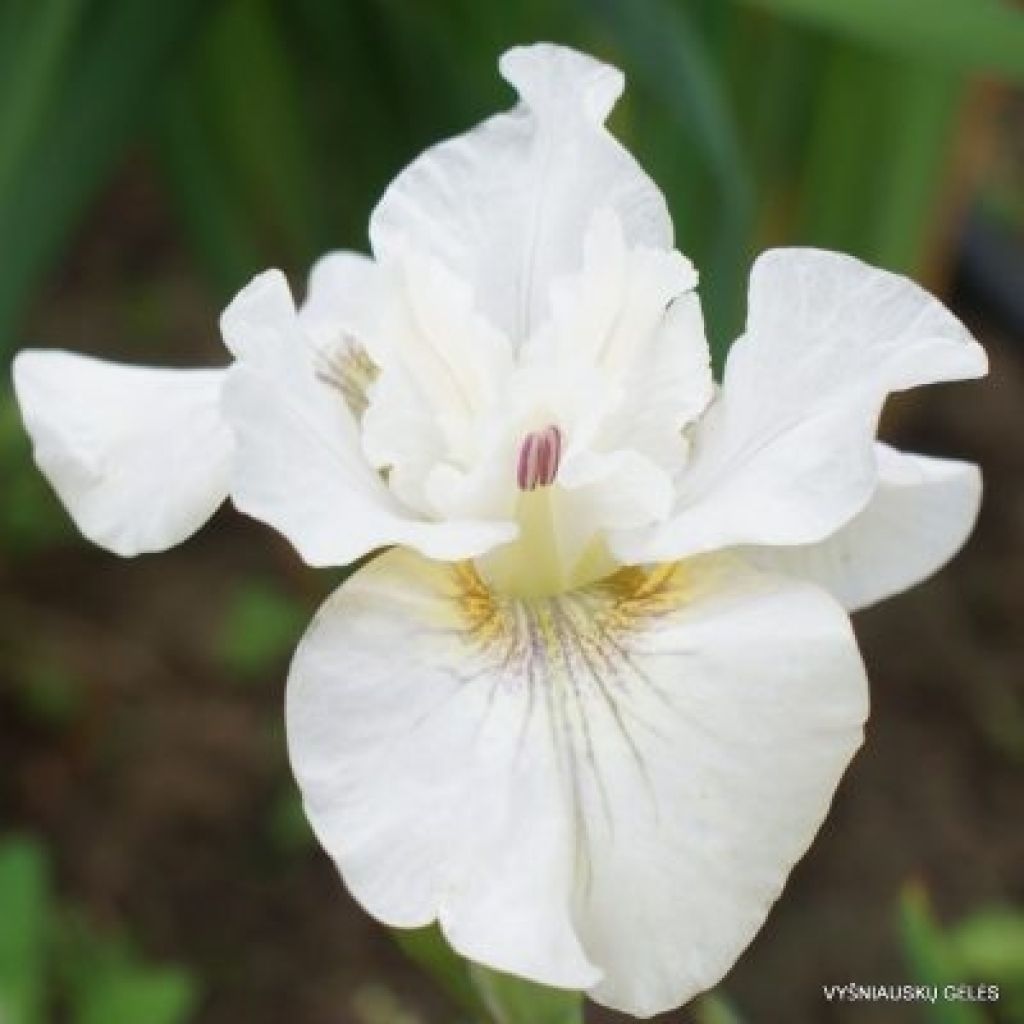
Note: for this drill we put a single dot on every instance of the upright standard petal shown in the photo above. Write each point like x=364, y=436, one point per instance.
x=298, y=463
x=785, y=455
x=632, y=316
x=602, y=790
x=138, y=456
x=344, y=298
x=919, y=517
x=506, y=206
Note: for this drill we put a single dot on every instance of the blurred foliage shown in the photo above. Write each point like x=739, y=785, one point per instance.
x=24, y=896
x=982, y=35
x=985, y=948
x=716, y=1008
x=30, y=516
x=52, y=959
x=427, y=948
x=990, y=944
x=48, y=693
x=287, y=826
x=491, y=997
x=275, y=125
x=78, y=81
x=375, y=1004
x=106, y=983
x=511, y=1000
x=261, y=628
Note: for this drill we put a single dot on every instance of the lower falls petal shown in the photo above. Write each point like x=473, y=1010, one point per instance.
x=602, y=790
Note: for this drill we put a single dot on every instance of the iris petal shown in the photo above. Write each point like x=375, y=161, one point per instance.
x=601, y=790
x=920, y=515
x=139, y=456
x=785, y=455
x=506, y=206
x=299, y=464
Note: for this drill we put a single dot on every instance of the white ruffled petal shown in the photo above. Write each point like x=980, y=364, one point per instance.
x=430, y=789
x=602, y=790
x=346, y=299
x=600, y=492
x=138, y=456
x=785, y=454
x=631, y=317
x=919, y=517
x=259, y=318
x=506, y=206
x=668, y=388
x=298, y=464
x=433, y=369
x=440, y=381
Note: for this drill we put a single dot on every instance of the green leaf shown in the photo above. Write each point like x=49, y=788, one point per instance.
x=512, y=1000
x=287, y=826
x=30, y=515
x=930, y=958
x=775, y=68
x=262, y=627
x=107, y=983
x=428, y=949
x=876, y=156
x=968, y=35
x=715, y=1008
x=990, y=945
x=35, y=69
x=218, y=226
x=920, y=117
x=108, y=89
x=670, y=56
x=14, y=16
x=24, y=926
x=248, y=84
x=134, y=995
x=842, y=166
x=489, y=995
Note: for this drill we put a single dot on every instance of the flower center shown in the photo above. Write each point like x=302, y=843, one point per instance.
x=539, y=455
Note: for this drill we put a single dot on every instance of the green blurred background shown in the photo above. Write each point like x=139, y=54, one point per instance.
x=155, y=867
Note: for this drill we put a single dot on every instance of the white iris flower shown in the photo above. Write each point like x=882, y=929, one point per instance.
x=593, y=703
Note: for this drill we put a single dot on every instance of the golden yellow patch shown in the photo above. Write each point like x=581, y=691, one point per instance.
x=585, y=626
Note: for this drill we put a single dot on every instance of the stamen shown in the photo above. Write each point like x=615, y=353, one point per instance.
x=539, y=456
x=347, y=367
